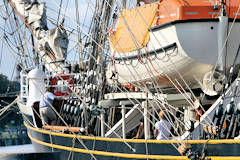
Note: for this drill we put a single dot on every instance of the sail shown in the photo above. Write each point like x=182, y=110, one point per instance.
x=52, y=43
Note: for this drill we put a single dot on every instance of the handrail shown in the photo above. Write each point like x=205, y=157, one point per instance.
x=157, y=51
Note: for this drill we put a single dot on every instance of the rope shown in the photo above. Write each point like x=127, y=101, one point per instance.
x=124, y=140
x=139, y=76
x=171, y=62
x=138, y=55
x=59, y=12
x=224, y=45
x=7, y=107
x=72, y=151
x=140, y=85
x=134, y=40
x=55, y=111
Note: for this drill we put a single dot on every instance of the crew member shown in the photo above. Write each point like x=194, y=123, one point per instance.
x=162, y=127
x=47, y=114
x=141, y=126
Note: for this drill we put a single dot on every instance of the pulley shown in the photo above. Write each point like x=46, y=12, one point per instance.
x=76, y=111
x=219, y=111
x=96, y=109
x=72, y=110
x=111, y=76
x=238, y=108
x=189, y=126
x=230, y=108
x=68, y=108
x=213, y=83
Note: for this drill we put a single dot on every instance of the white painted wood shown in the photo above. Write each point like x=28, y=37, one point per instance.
x=132, y=120
x=146, y=121
x=102, y=125
x=123, y=122
x=196, y=54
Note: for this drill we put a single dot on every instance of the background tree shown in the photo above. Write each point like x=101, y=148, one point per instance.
x=7, y=86
x=8, y=92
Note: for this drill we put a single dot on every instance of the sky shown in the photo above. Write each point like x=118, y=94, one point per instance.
x=86, y=10
x=8, y=61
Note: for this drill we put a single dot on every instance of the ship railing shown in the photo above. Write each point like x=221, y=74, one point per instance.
x=24, y=87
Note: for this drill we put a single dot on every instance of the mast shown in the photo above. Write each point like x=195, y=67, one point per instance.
x=96, y=52
x=124, y=3
x=80, y=57
x=213, y=80
x=222, y=35
x=99, y=26
x=223, y=8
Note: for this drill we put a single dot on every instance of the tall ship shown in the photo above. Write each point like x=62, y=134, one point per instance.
x=144, y=79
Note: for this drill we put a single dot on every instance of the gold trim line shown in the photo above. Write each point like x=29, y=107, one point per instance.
x=112, y=154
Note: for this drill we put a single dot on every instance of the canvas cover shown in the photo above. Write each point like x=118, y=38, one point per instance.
x=132, y=28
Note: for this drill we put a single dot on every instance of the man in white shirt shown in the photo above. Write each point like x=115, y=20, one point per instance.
x=47, y=114
x=162, y=127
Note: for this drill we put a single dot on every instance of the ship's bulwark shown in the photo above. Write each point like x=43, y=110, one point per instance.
x=117, y=149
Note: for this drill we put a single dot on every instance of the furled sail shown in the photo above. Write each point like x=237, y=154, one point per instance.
x=52, y=43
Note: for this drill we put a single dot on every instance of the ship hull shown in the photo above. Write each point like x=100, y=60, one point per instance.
x=69, y=145
x=186, y=47
x=77, y=146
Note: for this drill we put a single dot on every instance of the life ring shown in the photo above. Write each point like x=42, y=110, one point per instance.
x=130, y=87
x=62, y=77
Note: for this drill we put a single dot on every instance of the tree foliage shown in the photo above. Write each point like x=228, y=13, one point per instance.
x=7, y=86
x=9, y=118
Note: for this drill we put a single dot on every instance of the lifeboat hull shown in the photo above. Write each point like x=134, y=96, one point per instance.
x=188, y=48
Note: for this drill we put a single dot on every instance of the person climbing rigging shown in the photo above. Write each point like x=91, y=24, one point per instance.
x=162, y=127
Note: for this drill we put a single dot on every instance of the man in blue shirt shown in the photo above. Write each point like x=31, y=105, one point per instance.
x=47, y=114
